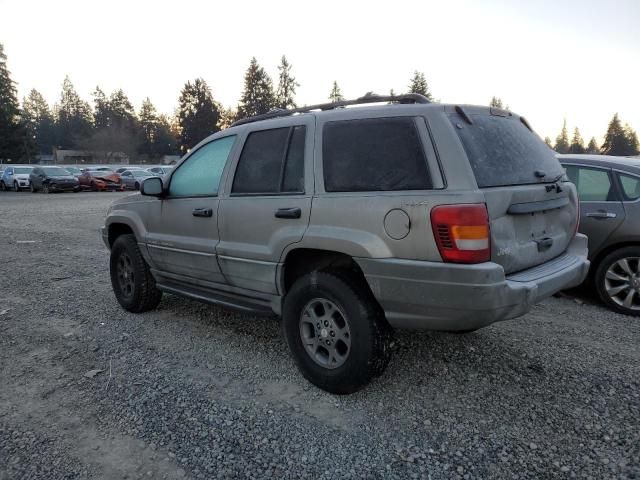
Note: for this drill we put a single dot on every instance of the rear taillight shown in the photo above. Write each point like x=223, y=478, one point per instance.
x=462, y=232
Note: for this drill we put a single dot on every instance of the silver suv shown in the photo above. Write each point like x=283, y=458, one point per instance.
x=350, y=222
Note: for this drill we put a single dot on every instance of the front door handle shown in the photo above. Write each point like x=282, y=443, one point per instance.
x=294, y=212
x=601, y=214
x=202, y=212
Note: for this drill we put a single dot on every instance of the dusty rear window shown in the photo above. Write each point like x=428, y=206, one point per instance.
x=503, y=151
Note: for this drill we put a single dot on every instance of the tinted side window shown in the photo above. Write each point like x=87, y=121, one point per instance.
x=593, y=185
x=272, y=161
x=375, y=154
x=630, y=187
x=200, y=173
x=293, y=179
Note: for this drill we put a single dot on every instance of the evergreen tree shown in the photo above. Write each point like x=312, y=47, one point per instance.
x=258, y=96
x=562, y=140
x=547, y=140
x=632, y=140
x=577, y=143
x=148, y=126
x=619, y=140
x=15, y=142
x=286, y=92
x=496, y=102
x=336, y=93
x=166, y=138
x=121, y=111
x=418, y=84
x=74, y=119
x=198, y=114
x=593, y=148
x=101, y=113
x=39, y=121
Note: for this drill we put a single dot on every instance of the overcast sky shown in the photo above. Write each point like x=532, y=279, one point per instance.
x=547, y=59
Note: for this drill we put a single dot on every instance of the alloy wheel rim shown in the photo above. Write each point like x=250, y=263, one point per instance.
x=126, y=279
x=325, y=333
x=622, y=282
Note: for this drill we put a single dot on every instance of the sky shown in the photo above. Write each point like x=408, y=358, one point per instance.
x=548, y=60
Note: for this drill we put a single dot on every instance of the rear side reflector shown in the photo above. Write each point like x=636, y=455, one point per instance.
x=462, y=232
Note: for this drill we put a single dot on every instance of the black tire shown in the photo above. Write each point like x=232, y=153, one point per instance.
x=142, y=294
x=16, y=187
x=3, y=187
x=32, y=188
x=370, y=335
x=136, y=186
x=616, y=302
x=45, y=188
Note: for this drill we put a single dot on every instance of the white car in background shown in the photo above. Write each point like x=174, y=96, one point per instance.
x=16, y=178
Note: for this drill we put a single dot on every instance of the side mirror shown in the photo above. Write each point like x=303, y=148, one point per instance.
x=152, y=186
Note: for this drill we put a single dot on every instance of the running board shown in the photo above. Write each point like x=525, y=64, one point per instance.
x=223, y=299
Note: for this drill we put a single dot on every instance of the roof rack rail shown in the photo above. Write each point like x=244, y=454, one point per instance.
x=368, y=98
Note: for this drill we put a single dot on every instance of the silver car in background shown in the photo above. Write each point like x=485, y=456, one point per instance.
x=16, y=178
x=133, y=178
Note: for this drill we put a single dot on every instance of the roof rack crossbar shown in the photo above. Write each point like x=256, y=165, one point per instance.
x=368, y=98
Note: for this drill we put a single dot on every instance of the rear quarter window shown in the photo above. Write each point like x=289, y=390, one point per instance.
x=375, y=154
x=503, y=151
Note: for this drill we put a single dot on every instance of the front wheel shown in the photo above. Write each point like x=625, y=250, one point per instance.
x=16, y=187
x=132, y=282
x=617, y=280
x=32, y=188
x=46, y=189
x=336, y=332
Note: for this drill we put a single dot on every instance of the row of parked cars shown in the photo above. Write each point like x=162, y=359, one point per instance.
x=351, y=222
x=54, y=178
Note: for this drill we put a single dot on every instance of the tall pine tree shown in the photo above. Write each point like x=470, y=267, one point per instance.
x=286, y=91
x=336, y=94
x=15, y=142
x=496, y=102
x=562, y=140
x=418, y=84
x=577, y=143
x=198, y=114
x=593, y=148
x=39, y=121
x=257, y=97
x=619, y=140
x=74, y=120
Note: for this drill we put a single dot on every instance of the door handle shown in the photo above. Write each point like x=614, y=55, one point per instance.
x=202, y=212
x=601, y=214
x=294, y=212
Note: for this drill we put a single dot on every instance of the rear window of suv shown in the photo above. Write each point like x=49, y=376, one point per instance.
x=374, y=154
x=503, y=151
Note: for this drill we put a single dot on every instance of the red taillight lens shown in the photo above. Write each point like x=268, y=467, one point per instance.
x=462, y=232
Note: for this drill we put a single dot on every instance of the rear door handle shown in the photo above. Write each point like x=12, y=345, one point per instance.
x=202, y=212
x=601, y=214
x=294, y=212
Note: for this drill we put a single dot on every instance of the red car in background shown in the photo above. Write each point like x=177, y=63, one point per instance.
x=100, y=180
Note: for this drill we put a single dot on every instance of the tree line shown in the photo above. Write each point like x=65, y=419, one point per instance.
x=109, y=122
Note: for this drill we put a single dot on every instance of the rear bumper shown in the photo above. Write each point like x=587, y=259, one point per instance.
x=444, y=296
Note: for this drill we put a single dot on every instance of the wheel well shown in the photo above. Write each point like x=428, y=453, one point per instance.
x=301, y=261
x=117, y=229
x=606, y=251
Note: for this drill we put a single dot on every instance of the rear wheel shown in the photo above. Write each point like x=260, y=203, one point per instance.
x=132, y=282
x=3, y=187
x=45, y=188
x=336, y=331
x=617, y=280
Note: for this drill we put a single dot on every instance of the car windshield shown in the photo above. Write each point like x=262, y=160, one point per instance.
x=141, y=173
x=72, y=169
x=55, y=171
x=99, y=172
x=22, y=170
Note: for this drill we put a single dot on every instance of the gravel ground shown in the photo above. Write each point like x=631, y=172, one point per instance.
x=195, y=391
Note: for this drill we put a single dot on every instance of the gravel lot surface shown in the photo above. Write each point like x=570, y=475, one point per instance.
x=195, y=391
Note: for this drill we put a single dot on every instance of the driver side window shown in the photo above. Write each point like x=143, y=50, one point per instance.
x=200, y=174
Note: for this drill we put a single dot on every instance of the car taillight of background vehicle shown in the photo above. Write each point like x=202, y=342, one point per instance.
x=462, y=232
